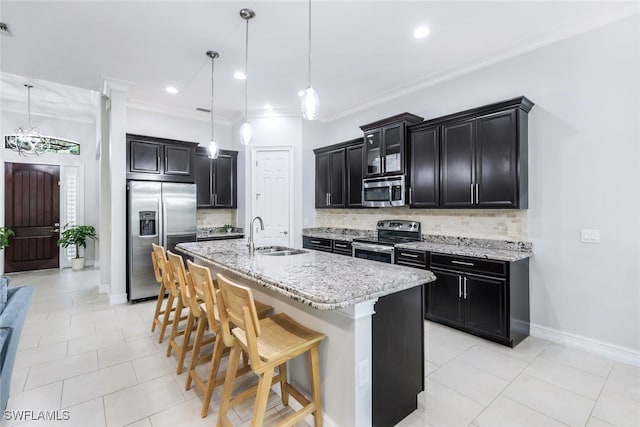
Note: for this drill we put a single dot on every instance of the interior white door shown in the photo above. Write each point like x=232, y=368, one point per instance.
x=272, y=197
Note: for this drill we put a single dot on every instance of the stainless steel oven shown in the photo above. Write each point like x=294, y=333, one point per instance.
x=374, y=252
x=383, y=192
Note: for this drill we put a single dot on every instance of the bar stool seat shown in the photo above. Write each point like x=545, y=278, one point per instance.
x=270, y=344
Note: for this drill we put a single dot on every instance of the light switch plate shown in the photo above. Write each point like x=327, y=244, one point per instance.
x=590, y=235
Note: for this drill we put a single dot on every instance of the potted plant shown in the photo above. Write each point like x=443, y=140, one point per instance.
x=5, y=233
x=227, y=228
x=77, y=235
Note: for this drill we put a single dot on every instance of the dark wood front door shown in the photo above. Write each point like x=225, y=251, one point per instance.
x=32, y=211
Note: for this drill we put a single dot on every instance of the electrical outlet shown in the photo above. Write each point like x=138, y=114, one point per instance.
x=588, y=235
x=363, y=373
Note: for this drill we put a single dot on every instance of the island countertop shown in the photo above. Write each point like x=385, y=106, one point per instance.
x=321, y=280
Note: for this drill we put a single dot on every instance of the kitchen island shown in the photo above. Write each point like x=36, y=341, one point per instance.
x=372, y=364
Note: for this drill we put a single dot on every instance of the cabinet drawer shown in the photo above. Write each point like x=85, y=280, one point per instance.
x=469, y=264
x=342, y=247
x=412, y=258
x=316, y=243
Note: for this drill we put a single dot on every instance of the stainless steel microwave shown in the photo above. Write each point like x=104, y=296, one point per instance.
x=383, y=192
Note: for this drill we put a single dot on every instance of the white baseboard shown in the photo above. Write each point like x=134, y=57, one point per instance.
x=116, y=299
x=601, y=348
x=104, y=289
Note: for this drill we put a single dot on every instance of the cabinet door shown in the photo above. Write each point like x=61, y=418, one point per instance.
x=322, y=180
x=457, y=164
x=424, y=168
x=203, y=175
x=145, y=157
x=337, y=190
x=224, y=183
x=354, y=175
x=393, y=152
x=177, y=160
x=445, y=302
x=496, y=160
x=485, y=305
x=373, y=152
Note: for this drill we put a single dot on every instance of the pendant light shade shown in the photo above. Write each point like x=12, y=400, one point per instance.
x=246, y=133
x=212, y=147
x=310, y=100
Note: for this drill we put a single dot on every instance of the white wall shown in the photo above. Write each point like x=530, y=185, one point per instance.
x=81, y=132
x=150, y=123
x=584, y=170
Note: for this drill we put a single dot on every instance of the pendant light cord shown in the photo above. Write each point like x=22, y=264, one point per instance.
x=246, y=74
x=28, y=86
x=309, y=71
x=212, y=73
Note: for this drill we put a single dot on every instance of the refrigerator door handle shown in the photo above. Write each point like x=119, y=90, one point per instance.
x=163, y=224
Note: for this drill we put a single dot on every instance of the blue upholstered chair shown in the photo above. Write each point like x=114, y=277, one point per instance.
x=11, y=322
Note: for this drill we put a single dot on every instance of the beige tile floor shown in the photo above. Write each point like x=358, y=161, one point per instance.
x=103, y=364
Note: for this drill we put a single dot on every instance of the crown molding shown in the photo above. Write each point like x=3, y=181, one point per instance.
x=107, y=82
x=460, y=69
x=70, y=118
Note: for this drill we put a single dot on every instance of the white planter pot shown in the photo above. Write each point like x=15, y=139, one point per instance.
x=77, y=263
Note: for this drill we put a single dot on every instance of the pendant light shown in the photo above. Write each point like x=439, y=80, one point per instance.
x=28, y=141
x=310, y=101
x=245, y=130
x=213, y=147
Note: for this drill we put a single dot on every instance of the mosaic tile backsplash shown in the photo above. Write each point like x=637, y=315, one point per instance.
x=208, y=218
x=502, y=224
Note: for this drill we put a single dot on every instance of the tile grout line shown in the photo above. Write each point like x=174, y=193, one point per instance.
x=600, y=393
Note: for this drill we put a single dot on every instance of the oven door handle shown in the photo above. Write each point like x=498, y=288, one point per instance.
x=372, y=248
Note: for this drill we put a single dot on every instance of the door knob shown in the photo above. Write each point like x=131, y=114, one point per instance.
x=285, y=232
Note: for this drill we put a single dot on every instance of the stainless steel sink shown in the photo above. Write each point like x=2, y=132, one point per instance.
x=279, y=251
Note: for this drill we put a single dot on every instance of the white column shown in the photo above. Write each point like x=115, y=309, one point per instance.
x=104, y=229
x=118, y=91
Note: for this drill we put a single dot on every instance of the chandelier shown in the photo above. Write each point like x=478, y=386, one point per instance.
x=28, y=141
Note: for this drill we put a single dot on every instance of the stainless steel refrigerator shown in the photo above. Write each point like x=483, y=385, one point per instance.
x=163, y=213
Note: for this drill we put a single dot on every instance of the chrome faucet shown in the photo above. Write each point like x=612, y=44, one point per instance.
x=252, y=247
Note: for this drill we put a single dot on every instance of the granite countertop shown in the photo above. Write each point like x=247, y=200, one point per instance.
x=321, y=280
x=500, y=250
x=218, y=233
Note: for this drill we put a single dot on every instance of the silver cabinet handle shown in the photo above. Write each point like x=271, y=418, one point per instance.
x=326, y=199
x=410, y=195
x=339, y=245
x=409, y=255
x=459, y=286
x=477, y=194
x=465, y=288
x=166, y=162
x=383, y=163
x=472, y=193
x=159, y=163
x=470, y=264
x=329, y=199
x=215, y=198
x=317, y=242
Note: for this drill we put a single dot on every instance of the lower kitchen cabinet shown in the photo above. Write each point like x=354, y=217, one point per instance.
x=483, y=297
x=317, y=243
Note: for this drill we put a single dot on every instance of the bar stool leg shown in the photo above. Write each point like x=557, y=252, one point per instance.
x=314, y=376
x=195, y=351
x=158, y=311
x=218, y=349
x=230, y=378
x=165, y=320
x=282, y=371
x=174, y=326
x=186, y=338
x=262, y=395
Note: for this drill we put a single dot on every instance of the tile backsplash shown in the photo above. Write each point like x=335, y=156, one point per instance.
x=503, y=224
x=216, y=217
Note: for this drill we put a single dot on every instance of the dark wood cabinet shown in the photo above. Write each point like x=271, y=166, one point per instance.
x=317, y=243
x=339, y=175
x=457, y=163
x=385, y=145
x=159, y=159
x=216, y=179
x=424, y=167
x=484, y=297
x=342, y=247
x=355, y=173
x=330, y=179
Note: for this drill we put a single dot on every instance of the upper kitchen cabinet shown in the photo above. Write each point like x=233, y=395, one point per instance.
x=158, y=159
x=483, y=156
x=424, y=166
x=339, y=172
x=216, y=179
x=385, y=145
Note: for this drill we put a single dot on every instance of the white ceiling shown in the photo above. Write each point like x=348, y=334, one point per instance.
x=363, y=51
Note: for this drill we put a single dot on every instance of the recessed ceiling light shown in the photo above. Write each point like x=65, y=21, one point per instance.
x=239, y=75
x=421, y=32
x=301, y=93
x=268, y=107
x=172, y=90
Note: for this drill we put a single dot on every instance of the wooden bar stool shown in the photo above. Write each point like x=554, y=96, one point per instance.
x=270, y=343
x=178, y=286
x=161, y=317
x=204, y=287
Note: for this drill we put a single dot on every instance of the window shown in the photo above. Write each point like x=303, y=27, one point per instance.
x=35, y=146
